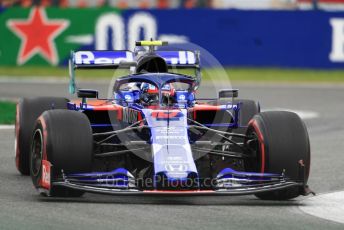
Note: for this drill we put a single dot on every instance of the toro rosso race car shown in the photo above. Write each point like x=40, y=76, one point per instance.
x=154, y=137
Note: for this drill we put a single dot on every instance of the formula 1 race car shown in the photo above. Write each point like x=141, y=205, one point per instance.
x=154, y=137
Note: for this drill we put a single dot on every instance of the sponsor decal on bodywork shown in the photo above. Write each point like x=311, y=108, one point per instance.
x=130, y=115
x=170, y=143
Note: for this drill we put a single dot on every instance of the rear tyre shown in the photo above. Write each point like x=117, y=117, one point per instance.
x=28, y=110
x=283, y=144
x=63, y=140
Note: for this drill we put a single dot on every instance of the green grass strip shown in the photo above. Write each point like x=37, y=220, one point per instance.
x=234, y=74
x=7, y=112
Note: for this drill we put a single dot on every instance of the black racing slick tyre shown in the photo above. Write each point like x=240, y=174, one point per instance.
x=283, y=145
x=62, y=142
x=28, y=110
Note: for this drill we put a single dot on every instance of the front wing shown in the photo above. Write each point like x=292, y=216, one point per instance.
x=228, y=183
x=224, y=192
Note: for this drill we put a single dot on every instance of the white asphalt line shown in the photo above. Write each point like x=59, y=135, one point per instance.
x=326, y=206
x=304, y=114
x=6, y=127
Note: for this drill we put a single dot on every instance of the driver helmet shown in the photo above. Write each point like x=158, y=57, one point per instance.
x=152, y=89
x=150, y=93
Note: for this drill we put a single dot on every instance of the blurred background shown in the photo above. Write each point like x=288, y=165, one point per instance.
x=170, y=4
x=306, y=34
x=286, y=54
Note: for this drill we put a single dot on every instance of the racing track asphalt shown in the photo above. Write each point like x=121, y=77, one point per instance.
x=22, y=208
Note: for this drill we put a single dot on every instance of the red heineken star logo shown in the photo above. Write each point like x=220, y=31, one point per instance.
x=37, y=35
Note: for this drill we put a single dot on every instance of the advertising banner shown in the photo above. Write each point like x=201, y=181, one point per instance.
x=295, y=39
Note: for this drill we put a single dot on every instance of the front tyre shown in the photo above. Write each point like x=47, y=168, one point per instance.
x=282, y=144
x=27, y=112
x=62, y=140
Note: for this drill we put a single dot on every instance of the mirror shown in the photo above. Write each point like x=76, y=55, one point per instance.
x=227, y=93
x=87, y=93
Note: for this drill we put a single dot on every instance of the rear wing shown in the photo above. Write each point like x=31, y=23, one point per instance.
x=98, y=60
x=126, y=59
x=183, y=60
x=101, y=59
x=178, y=59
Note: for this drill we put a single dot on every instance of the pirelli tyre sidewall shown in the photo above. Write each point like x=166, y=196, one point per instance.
x=283, y=144
x=62, y=140
x=27, y=112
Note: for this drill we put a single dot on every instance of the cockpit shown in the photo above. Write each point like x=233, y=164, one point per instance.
x=150, y=82
x=166, y=91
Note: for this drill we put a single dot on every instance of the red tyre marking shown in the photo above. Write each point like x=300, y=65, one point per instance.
x=42, y=182
x=261, y=143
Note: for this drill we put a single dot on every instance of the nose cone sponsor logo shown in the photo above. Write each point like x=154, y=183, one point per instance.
x=182, y=97
x=127, y=97
x=176, y=167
